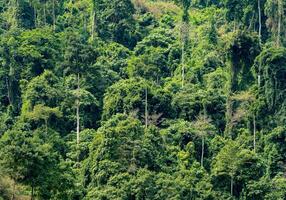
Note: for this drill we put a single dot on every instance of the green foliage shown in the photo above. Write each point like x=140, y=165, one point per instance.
x=237, y=165
x=31, y=158
x=142, y=99
x=126, y=96
x=234, y=13
x=156, y=56
x=270, y=67
x=243, y=49
x=275, y=11
x=114, y=21
x=43, y=89
x=275, y=151
x=37, y=51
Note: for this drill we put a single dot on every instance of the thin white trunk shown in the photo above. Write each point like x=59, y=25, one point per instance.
x=231, y=186
x=259, y=20
x=203, y=149
x=254, y=133
x=183, y=64
x=10, y=85
x=259, y=75
x=8, y=91
x=77, y=112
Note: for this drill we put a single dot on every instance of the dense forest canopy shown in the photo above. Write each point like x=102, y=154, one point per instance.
x=143, y=99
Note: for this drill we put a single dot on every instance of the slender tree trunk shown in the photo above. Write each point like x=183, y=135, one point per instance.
x=183, y=64
x=146, y=108
x=231, y=185
x=8, y=90
x=10, y=83
x=254, y=133
x=259, y=20
x=77, y=112
x=203, y=149
x=252, y=22
x=259, y=74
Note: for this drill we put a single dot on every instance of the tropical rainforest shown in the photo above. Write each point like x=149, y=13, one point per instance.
x=143, y=99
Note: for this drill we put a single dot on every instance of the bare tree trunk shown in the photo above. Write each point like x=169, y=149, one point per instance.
x=231, y=186
x=77, y=112
x=8, y=91
x=46, y=124
x=183, y=64
x=203, y=149
x=259, y=74
x=146, y=108
x=10, y=82
x=254, y=133
x=259, y=20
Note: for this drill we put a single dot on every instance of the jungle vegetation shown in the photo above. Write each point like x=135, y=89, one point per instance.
x=143, y=99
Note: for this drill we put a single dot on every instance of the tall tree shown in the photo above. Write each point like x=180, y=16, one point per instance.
x=184, y=34
x=236, y=163
x=204, y=127
x=79, y=58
